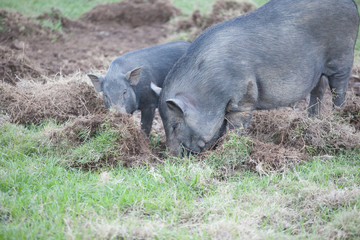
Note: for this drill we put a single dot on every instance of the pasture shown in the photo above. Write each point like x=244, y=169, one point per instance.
x=69, y=169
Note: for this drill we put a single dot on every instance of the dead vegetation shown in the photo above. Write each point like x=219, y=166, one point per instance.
x=126, y=144
x=279, y=139
x=34, y=103
x=351, y=112
x=222, y=10
x=321, y=135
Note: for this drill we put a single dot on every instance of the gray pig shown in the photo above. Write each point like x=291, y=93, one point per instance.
x=126, y=85
x=271, y=57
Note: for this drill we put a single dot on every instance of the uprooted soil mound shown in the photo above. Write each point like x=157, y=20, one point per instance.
x=281, y=138
x=354, y=84
x=56, y=17
x=135, y=13
x=325, y=134
x=235, y=152
x=130, y=146
x=15, y=66
x=278, y=140
x=59, y=101
x=269, y=157
x=351, y=112
x=222, y=10
x=15, y=25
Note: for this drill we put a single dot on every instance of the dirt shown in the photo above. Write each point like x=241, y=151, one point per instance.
x=325, y=134
x=16, y=66
x=222, y=10
x=89, y=43
x=130, y=148
x=34, y=57
x=132, y=13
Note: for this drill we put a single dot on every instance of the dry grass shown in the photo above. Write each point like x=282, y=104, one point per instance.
x=328, y=133
x=103, y=140
x=61, y=101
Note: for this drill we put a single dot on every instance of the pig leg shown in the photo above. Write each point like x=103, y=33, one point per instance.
x=338, y=84
x=147, y=116
x=316, y=96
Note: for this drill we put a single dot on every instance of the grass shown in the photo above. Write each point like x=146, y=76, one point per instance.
x=41, y=197
x=70, y=9
x=74, y=9
x=181, y=199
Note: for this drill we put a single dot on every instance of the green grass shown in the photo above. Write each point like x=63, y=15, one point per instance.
x=70, y=9
x=41, y=198
x=74, y=9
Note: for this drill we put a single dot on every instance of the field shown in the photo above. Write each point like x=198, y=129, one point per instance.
x=69, y=169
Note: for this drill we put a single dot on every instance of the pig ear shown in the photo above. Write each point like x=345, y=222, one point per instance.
x=176, y=105
x=96, y=81
x=133, y=76
x=155, y=88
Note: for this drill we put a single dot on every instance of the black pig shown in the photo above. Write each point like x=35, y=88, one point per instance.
x=271, y=57
x=126, y=85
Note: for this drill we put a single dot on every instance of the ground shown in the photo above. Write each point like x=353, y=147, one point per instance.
x=58, y=58
x=93, y=174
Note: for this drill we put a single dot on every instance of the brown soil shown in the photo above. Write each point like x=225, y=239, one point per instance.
x=269, y=157
x=132, y=13
x=14, y=67
x=222, y=10
x=325, y=134
x=351, y=111
x=91, y=42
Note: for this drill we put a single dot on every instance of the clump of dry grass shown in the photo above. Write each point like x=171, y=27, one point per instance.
x=351, y=111
x=270, y=157
x=103, y=140
x=235, y=152
x=325, y=134
x=279, y=139
x=61, y=101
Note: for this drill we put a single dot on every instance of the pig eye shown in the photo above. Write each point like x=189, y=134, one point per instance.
x=125, y=91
